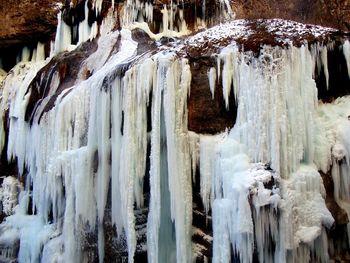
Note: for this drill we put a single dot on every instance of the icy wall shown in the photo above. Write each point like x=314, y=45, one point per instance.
x=108, y=170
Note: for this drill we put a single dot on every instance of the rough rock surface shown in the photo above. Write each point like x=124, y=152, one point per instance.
x=333, y=13
x=25, y=21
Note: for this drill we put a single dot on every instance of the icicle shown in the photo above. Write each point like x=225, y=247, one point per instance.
x=19, y=100
x=40, y=52
x=2, y=130
x=169, y=112
x=85, y=31
x=229, y=57
x=231, y=192
x=194, y=144
x=63, y=36
x=116, y=137
x=207, y=159
x=346, y=52
x=268, y=91
x=178, y=80
x=25, y=56
x=212, y=80
x=154, y=214
x=324, y=60
x=221, y=222
x=98, y=6
x=149, y=12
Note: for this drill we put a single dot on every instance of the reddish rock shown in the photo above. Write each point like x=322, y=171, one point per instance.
x=207, y=114
x=332, y=13
x=23, y=22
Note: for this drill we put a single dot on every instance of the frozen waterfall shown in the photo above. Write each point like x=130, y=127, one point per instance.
x=109, y=157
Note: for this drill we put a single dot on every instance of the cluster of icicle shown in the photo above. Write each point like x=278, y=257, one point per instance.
x=280, y=123
x=60, y=148
x=95, y=138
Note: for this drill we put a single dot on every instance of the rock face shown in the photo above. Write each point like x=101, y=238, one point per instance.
x=334, y=13
x=24, y=23
x=27, y=21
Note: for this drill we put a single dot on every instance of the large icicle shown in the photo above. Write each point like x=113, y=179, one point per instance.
x=67, y=150
x=276, y=99
x=207, y=167
x=170, y=109
x=346, y=51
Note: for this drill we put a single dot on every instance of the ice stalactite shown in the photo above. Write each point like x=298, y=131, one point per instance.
x=279, y=128
x=229, y=56
x=212, y=80
x=25, y=55
x=346, y=51
x=235, y=179
x=85, y=31
x=2, y=130
x=66, y=151
x=16, y=100
x=175, y=94
x=63, y=38
x=207, y=151
x=276, y=98
x=169, y=136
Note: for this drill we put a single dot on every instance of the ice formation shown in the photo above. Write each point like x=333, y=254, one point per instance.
x=102, y=136
x=9, y=191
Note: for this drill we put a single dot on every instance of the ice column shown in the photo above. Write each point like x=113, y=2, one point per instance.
x=170, y=98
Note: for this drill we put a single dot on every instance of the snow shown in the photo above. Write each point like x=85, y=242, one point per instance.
x=234, y=29
x=9, y=194
x=304, y=193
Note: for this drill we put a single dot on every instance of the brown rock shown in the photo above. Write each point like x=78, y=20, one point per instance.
x=207, y=114
x=332, y=13
x=23, y=22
